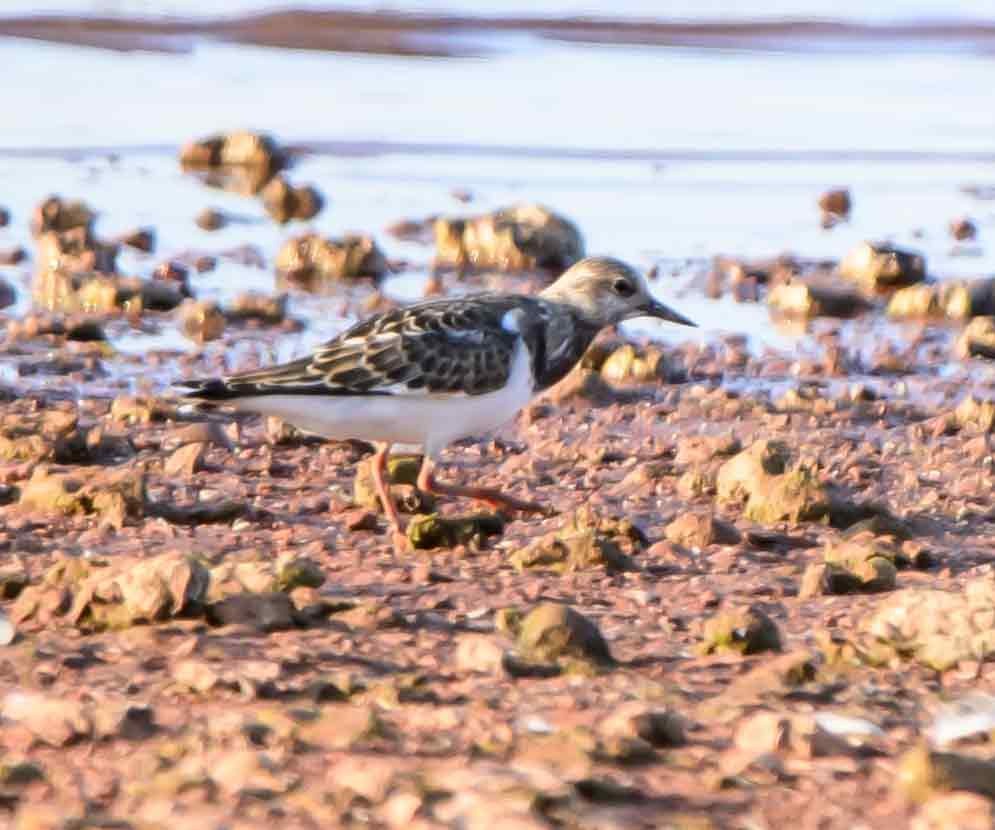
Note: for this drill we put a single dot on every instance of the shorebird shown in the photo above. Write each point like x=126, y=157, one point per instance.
x=435, y=372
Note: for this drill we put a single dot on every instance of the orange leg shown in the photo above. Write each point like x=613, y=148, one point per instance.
x=495, y=498
x=386, y=499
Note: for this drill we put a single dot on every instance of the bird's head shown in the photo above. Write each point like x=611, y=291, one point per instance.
x=606, y=291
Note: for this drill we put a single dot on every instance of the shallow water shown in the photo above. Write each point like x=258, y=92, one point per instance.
x=665, y=156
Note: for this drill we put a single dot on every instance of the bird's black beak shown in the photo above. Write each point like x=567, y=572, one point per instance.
x=653, y=308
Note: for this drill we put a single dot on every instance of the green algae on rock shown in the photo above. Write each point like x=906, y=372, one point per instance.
x=586, y=540
x=741, y=631
x=775, y=488
x=429, y=532
x=552, y=631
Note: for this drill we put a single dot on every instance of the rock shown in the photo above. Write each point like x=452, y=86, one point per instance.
x=699, y=530
x=835, y=205
x=4, y=217
x=284, y=574
x=270, y=310
x=875, y=266
x=955, y=811
x=202, y=432
x=141, y=239
x=551, y=631
x=742, y=630
x=113, y=495
x=479, y=653
x=57, y=214
x=185, y=461
x=146, y=591
x=8, y=294
x=175, y=275
x=658, y=727
x=74, y=273
x=775, y=487
x=861, y=565
x=518, y=238
x=963, y=229
x=211, y=219
x=196, y=675
x=402, y=473
x=953, y=299
x=428, y=532
x=13, y=580
x=937, y=628
x=586, y=540
x=923, y=772
x=700, y=449
x=220, y=511
x=975, y=414
x=977, y=339
x=810, y=299
x=264, y=612
x=202, y=320
x=626, y=364
x=132, y=410
x=284, y=202
x=53, y=721
x=256, y=154
x=313, y=263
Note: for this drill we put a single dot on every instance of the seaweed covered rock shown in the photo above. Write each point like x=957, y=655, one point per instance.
x=402, y=473
x=284, y=201
x=587, y=540
x=552, y=631
x=435, y=531
x=518, y=238
x=806, y=299
x=953, y=299
x=201, y=320
x=775, y=486
x=312, y=262
x=241, y=161
x=113, y=495
x=742, y=631
x=875, y=266
x=57, y=436
x=627, y=364
x=863, y=564
x=977, y=339
x=58, y=214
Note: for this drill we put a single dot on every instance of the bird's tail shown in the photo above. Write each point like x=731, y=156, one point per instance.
x=207, y=391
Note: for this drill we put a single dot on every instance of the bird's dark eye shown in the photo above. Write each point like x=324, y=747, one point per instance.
x=623, y=288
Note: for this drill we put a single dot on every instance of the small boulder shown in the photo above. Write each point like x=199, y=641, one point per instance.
x=876, y=265
x=699, y=530
x=284, y=202
x=519, y=238
x=963, y=229
x=313, y=263
x=835, y=205
x=552, y=631
x=809, y=299
x=429, y=532
x=201, y=320
x=977, y=339
x=741, y=631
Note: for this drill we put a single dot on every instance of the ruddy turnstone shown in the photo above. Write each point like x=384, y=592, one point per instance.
x=437, y=371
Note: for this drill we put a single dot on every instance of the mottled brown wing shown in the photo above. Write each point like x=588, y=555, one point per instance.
x=438, y=347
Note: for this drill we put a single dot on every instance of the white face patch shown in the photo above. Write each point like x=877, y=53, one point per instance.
x=509, y=321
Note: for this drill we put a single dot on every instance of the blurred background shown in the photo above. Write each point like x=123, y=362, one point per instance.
x=669, y=133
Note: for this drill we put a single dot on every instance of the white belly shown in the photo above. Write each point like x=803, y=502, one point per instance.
x=429, y=421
